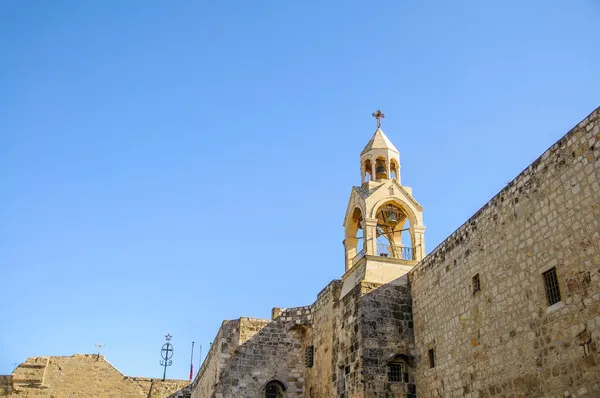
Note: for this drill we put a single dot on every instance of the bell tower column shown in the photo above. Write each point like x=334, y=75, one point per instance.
x=417, y=235
x=350, y=249
x=370, y=236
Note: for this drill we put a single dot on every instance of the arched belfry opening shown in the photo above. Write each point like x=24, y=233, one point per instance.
x=394, y=169
x=381, y=168
x=383, y=219
x=392, y=232
x=367, y=173
x=354, y=241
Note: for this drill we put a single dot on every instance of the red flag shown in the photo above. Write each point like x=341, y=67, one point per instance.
x=191, y=370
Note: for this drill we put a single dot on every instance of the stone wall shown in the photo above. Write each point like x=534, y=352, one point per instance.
x=273, y=350
x=505, y=340
x=325, y=320
x=6, y=385
x=387, y=336
x=220, y=351
x=84, y=375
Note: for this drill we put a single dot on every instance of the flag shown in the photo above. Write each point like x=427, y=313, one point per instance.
x=191, y=371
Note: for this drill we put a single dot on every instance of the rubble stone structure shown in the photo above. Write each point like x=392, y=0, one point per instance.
x=507, y=306
x=83, y=375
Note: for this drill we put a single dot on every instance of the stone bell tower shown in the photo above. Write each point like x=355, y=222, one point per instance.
x=384, y=231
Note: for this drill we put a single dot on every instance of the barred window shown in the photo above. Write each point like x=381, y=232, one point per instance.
x=551, y=286
x=431, y=358
x=396, y=371
x=309, y=355
x=476, y=283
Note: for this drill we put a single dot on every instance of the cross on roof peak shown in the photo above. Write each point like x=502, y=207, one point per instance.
x=378, y=115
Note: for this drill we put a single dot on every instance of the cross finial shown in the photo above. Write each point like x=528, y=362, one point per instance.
x=378, y=115
x=99, y=345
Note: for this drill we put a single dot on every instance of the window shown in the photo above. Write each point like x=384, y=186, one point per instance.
x=476, y=283
x=431, y=358
x=309, y=355
x=551, y=286
x=274, y=389
x=396, y=371
x=342, y=384
x=272, y=392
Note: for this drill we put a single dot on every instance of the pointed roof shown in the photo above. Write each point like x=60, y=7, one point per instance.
x=379, y=141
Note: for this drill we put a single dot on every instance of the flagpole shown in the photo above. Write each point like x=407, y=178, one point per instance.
x=192, y=363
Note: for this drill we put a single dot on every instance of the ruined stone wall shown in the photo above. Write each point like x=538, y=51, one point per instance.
x=6, y=385
x=84, y=375
x=505, y=340
x=220, y=351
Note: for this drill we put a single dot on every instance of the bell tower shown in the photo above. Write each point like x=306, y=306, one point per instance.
x=384, y=231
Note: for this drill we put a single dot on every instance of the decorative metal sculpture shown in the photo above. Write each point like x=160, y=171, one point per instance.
x=166, y=353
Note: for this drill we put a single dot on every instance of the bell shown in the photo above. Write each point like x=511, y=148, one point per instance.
x=391, y=218
x=380, y=170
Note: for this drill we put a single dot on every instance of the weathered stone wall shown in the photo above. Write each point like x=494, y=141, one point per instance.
x=386, y=334
x=84, y=375
x=505, y=340
x=222, y=347
x=325, y=309
x=273, y=350
x=6, y=385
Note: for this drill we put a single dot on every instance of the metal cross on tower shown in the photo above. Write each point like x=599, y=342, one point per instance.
x=166, y=353
x=378, y=115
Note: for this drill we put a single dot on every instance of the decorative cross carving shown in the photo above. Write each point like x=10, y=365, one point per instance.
x=391, y=188
x=378, y=115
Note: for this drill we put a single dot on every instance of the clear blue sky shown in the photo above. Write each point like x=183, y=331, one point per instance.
x=168, y=165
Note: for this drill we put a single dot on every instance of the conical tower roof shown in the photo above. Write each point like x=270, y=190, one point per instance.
x=379, y=141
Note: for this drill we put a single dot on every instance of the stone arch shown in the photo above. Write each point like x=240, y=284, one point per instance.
x=273, y=389
x=355, y=217
x=381, y=167
x=398, y=244
x=394, y=169
x=412, y=215
x=367, y=167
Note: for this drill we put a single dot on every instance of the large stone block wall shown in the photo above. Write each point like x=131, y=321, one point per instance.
x=325, y=309
x=386, y=334
x=273, y=350
x=505, y=340
x=221, y=349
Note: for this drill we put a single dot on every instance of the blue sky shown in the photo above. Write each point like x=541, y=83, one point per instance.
x=168, y=165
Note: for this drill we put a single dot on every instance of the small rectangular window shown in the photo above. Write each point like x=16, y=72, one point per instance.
x=551, y=286
x=431, y=358
x=476, y=283
x=309, y=355
x=396, y=372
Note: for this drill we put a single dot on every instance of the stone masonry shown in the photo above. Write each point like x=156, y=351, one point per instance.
x=507, y=306
x=81, y=375
x=505, y=340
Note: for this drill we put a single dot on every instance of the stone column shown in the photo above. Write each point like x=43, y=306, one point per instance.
x=417, y=236
x=370, y=236
x=350, y=249
x=373, y=167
